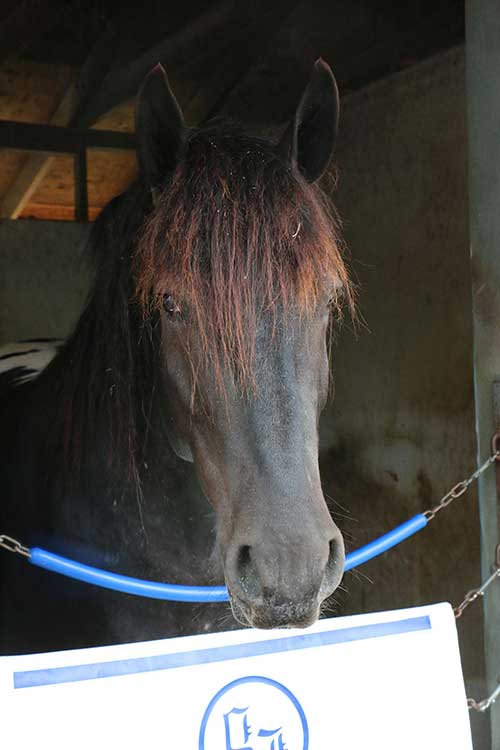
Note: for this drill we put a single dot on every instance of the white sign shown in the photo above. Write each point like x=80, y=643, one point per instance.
x=389, y=680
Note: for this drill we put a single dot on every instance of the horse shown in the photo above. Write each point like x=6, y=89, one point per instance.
x=174, y=435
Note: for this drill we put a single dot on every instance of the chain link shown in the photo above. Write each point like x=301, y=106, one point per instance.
x=461, y=487
x=457, y=491
x=13, y=545
x=471, y=596
x=474, y=594
x=486, y=703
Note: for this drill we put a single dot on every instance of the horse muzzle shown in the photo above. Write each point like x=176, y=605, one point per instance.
x=283, y=588
x=275, y=613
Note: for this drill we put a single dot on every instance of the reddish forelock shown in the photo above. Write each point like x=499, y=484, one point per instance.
x=236, y=235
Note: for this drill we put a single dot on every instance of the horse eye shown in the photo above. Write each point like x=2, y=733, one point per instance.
x=170, y=306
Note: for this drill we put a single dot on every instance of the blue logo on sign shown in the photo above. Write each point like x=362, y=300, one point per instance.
x=254, y=713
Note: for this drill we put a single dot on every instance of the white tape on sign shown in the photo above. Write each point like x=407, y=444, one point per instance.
x=389, y=680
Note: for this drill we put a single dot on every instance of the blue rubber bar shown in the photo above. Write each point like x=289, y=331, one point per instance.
x=385, y=542
x=107, y=580
x=201, y=594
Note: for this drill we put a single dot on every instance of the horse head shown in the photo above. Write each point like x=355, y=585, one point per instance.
x=239, y=259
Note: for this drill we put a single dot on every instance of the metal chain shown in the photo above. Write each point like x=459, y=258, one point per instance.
x=461, y=487
x=471, y=596
x=13, y=545
x=486, y=703
x=457, y=491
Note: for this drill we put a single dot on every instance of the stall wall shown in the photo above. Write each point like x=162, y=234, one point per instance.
x=43, y=278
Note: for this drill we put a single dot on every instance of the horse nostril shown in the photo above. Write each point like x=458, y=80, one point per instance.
x=248, y=577
x=334, y=566
x=336, y=553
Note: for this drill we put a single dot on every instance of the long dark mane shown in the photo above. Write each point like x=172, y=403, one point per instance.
x=106, y=373
x=235, y=234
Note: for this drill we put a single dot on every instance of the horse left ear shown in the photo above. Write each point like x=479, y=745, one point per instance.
x=160, y=128
x=309, y=139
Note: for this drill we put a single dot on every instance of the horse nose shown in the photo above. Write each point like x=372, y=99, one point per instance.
x=286, y=582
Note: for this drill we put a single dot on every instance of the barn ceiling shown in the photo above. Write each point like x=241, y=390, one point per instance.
x=78, y=64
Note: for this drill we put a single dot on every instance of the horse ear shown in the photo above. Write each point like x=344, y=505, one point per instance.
x=309, y=139
x=160, y=128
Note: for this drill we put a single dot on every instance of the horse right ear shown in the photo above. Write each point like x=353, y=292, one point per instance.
x=160, y=128
x=308, y=142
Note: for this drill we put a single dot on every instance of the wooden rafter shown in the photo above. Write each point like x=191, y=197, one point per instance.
x=54, y=139
x=120, y=85
x=81, y=193
x=71, y=111
x=202, y=75
x=234, y=61
x=36, y=167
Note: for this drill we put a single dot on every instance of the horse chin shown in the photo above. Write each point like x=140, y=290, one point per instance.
x=265, y=617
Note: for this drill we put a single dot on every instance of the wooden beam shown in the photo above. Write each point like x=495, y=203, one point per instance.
x=92, y=75
x=25, y=136
x=25, y=185
x=81, y=194
x=214, y=70
x=217, y=70
x=120, y=85
x=36, y=167
x=69, y=112
x=58, y=212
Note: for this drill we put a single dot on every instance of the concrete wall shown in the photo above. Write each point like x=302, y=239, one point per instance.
x=401, y=429
x=400, y=432
x=43, y=281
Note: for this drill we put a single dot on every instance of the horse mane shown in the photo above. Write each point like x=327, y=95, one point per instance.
x=234, y=235
x=106, y=373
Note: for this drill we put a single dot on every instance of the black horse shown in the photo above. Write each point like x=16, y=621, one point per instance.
x=175, y=435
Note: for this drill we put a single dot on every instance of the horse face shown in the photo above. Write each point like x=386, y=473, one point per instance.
x=256, y=455
x=255, y=448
